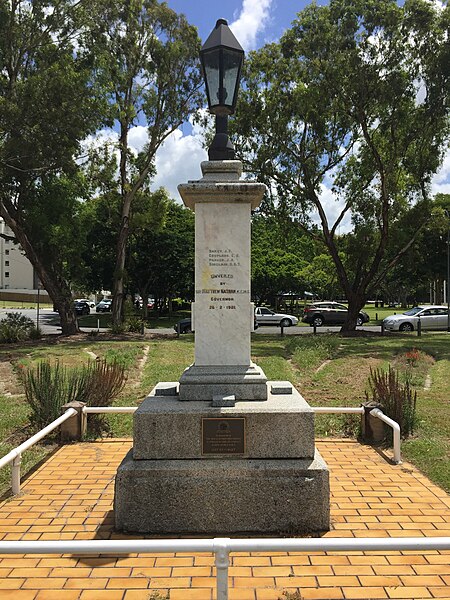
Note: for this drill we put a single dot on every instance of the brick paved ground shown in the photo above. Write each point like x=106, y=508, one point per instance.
x=70, y=497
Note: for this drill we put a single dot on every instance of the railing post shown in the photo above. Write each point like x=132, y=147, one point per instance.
x=372, y=429
x=15, y=475
x=74, y=429
x=221, y=551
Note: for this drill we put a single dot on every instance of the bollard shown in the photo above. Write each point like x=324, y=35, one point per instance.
x=282, y=330
x=382, y=327
x=74, y=429
x=376, y=316
x=314, y=329
x=419, y=328
x=178, y=330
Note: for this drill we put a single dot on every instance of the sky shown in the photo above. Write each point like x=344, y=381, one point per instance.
x=254, y=23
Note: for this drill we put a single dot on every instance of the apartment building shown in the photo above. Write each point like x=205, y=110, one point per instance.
x=17, y=274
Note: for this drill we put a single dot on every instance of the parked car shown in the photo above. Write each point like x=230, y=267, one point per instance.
x=90, y=302
x=330, y=313
x=104, y=305
x=431, y=317
x=265, y=316
x=185, y=325
x=82, y=308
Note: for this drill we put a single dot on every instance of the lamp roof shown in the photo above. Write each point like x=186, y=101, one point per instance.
x=222, y=35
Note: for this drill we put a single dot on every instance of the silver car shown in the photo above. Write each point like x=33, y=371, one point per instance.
x=431, y=317
x=265, y=316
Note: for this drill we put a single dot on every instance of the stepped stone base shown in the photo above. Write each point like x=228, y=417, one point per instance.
x=222, y=496
x=202, y=469
x=281, y=427
x=205, y=382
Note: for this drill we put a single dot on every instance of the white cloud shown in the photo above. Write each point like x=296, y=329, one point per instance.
x=137, y=138
x=332, y=207
x=178, y=161
x=253, y=18
x=440, y=183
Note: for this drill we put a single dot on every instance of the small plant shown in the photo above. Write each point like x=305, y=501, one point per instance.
x=291, y=595
x=398, y=400
x=50, y=385
x=46, y=392
x=134, y=325
x=118, y=328
x=16, y=327
x=413, y=366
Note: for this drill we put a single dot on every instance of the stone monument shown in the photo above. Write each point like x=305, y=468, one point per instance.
x=223, y=450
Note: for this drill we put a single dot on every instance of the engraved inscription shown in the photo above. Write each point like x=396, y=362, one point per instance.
x=223, y=435
x=222, y=291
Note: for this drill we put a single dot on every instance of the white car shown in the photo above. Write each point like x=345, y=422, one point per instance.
x=431, y=317
x=265, y=316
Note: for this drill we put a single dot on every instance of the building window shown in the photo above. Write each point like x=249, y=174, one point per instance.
x=6, y=273
x=6, y=263
x=7, y=252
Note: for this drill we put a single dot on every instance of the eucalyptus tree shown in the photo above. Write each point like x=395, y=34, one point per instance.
x=48, y=103
x=355, y=96
x=148, y=56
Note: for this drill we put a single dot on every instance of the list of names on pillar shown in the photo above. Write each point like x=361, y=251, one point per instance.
x=222, y=293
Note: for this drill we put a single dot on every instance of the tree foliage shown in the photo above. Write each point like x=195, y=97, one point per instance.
x=148, y=57
x=354, y=96
x=45, y=64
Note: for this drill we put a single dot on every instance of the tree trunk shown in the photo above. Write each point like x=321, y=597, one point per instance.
x=356, y=302
x=57, y=287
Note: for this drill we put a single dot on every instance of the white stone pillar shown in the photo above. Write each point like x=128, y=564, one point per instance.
x=222, y=311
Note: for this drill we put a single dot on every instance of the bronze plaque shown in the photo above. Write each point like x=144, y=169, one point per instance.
x=223, y=435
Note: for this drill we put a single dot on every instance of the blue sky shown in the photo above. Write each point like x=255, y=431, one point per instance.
x=254, y=23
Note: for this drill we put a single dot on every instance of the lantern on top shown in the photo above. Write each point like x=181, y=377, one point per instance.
x=221, y=57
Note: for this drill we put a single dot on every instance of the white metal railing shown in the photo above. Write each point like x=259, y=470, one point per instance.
x=97, y=410
x=352, y=410
x=15, y=456
x=221, y=548
x=376, y=412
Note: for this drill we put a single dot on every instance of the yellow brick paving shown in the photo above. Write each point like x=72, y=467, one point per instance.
x=70, y=498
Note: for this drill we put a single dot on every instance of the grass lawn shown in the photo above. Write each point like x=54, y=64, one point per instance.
x=327, y=369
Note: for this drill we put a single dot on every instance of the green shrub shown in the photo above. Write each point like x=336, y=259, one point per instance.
x=16, y=327
x=134, y=325
x=398, y=400
x=46, y=391
x=50, y=385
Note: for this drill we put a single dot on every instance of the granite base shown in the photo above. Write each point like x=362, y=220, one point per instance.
x=222, y=496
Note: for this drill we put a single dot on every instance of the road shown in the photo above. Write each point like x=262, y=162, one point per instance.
x=49, y=324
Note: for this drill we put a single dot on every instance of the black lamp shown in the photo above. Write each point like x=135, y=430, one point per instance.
x=221, y=57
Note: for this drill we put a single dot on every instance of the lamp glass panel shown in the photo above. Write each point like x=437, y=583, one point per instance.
x=211, y=61
x=231, y=67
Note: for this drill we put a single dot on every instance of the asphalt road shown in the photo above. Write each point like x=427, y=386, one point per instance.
x=49, y=324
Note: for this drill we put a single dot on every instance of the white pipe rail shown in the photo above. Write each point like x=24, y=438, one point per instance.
x=328, y=410
x=15, y=456
x=376, y=412
x=221, y=547
x=96, y=410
